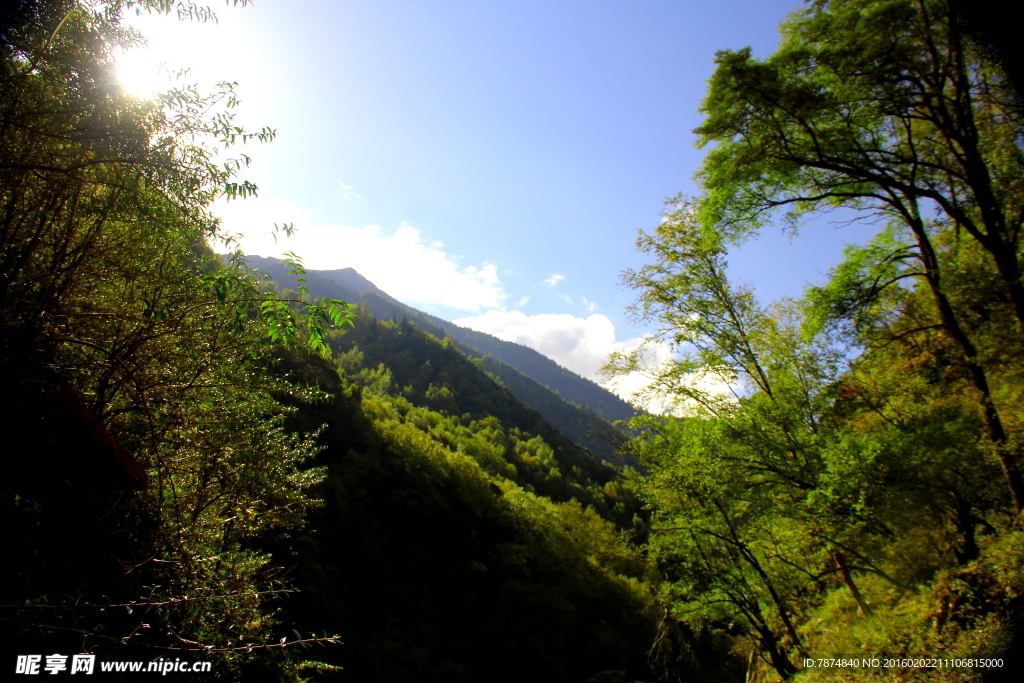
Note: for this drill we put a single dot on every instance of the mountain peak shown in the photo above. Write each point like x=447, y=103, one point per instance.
x=555, y=392
x=351, y=279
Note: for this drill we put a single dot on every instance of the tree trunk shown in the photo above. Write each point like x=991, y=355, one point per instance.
x=848, y=580
x=979, y=377
x=778, y=658
x=752, y=662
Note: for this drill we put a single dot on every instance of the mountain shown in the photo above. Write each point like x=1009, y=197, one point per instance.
x=577, y=407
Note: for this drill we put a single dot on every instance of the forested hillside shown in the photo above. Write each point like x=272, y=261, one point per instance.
x=580, y=409
x=456, y=546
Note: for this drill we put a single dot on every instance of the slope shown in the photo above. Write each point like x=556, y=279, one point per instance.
x=432, y=557
x=577, y=407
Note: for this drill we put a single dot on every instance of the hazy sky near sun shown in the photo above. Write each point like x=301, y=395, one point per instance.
x=488, y=161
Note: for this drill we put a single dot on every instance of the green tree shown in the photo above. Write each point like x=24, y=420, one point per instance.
x=791, y=475
x=732, y=481
x=886, y=108
x=123, y=335
x=813, y=436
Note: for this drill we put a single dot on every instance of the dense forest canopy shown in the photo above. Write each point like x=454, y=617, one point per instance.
x=202, y=464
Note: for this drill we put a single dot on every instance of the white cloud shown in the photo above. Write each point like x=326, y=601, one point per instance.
x=523, y=301
x=590, y=305
x=347, y=192
x=554, y=280
x=583, y=345
x=630, y=386
x=403, y=264
x=655, y=357
x=579, y=344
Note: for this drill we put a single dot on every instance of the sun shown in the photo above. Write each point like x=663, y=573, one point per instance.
x=140, y=75
x=176, y=53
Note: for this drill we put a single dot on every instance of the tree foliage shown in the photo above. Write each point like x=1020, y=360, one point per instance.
x=830, y=484
x=887, y=108
x=124, y=336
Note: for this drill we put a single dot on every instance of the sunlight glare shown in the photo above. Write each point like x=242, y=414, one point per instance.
x=171, y=46
x=140, y=75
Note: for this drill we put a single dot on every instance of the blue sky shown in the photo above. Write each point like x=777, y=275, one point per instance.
x=489, y=161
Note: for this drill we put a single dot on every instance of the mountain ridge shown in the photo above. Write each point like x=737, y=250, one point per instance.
x=528, y=374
